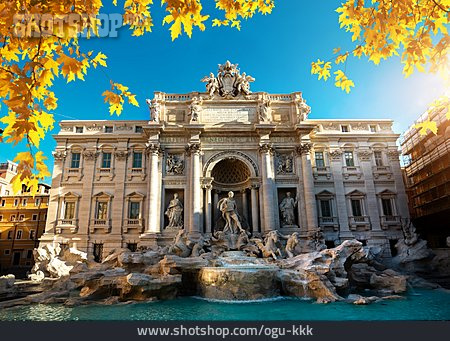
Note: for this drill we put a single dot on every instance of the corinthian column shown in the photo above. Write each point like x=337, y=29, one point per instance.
x=270, y=207
x=255, y=214
x=308, y=185
x=194, y=151
x=153, y=151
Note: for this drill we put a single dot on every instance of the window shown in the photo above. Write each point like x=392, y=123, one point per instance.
x=106, y=160
x=37, y=202
x=108, y=129
x=3, y=203
x=69, y=212
x=79, y=130
x=21, y=217
x=356, y=207
x=344, y=129
x=16, y=202
x=7, y=252
x=132, y=247
x=137, y=160
x=134, y=210
x=349, y=162
x=325, y=208
x=9, y=234
x=378, y=158
x=24, y=202
x=31, y=234
x=387, y=207
x=12, y=217
x=75, y=161
x=29, y=254
x=19, y=234
x=320, y=162
x=102, y=210
x=6, y=192
x=34, y=217
x=373, y=128
x=138, y=129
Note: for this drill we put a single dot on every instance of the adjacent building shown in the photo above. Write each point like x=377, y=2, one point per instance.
x=117, y=183
x=22, y=222
x=427, y=177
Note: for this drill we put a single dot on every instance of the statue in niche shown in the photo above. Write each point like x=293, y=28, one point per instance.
x=174, y=165
x=264, y=111
x=195, y=108
x=285, y=164
x=212, y=84
x=155, y=110
x=287, y=207
x=228, y=208
x=175, y=212
x=291, y=245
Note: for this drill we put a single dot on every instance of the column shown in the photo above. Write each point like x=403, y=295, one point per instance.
x=208, y=208
x=255, y=213
x=341, y=200
x=154, y=193
x=214, y=208
x=302, y=222
x=365, y=158
x=194, y=150
x=270, y=207
x=244, y=204
x=402, y=199
x=308, y=184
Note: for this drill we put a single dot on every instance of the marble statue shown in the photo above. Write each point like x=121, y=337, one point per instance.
x=228, y=208
x=212, y=84
x=264, y=111
x=303, y=110
x=155, y=110
x=291, y=245
x=180, y=246
x=195, y=108
x=243, y=83
x=409, y=233
x=271, y=247
x=287, y=207
x=175, y=212
x=174, y=165
x=197, y=249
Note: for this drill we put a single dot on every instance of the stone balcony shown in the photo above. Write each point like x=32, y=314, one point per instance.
x=322, y=173
x=390, y=221
x=104, y=172
x=137, y=224
x=329, y=223
x=136, y=172
x=351, y=172
x=382, y=172
x=103, y=225
x=359, y=223
x=67, y=224
x=73, y=172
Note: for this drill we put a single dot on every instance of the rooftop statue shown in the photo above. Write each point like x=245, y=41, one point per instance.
x=228, y=82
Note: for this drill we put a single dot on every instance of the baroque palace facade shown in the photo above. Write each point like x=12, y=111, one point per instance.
x=136, y=183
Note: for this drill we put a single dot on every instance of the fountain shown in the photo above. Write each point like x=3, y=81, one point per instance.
x=238, y=277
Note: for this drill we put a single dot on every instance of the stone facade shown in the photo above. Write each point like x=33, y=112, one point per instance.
x=118, y=177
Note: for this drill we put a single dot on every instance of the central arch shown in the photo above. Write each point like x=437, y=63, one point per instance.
x=230, y=155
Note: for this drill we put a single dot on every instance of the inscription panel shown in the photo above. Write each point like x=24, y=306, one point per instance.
x=228, y=114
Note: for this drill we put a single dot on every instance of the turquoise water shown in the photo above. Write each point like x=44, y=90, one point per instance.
x=420, y=305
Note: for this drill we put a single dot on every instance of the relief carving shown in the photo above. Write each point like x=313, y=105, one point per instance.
x=174, y=164
x=284, y=163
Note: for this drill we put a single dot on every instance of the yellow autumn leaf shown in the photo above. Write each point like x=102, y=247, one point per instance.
x=424, y=126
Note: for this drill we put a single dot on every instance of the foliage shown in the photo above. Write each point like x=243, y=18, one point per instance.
x=414, y=29
x=33, y=53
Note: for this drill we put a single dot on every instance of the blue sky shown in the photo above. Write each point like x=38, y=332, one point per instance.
x=276, y=49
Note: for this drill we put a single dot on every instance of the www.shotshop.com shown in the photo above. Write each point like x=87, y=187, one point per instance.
x=224, y=332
